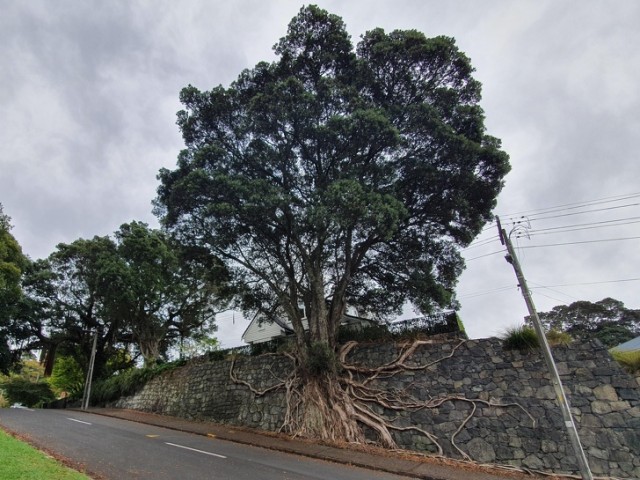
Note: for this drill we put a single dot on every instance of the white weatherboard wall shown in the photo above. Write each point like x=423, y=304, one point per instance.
x=262, y=332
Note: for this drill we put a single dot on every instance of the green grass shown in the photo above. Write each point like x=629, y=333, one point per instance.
x=19, y=461
x=520, y=338
x=630, y=361
x=556, y=338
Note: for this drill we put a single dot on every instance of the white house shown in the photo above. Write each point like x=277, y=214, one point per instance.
x=261, y=330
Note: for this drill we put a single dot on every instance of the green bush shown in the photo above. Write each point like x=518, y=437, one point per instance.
x=629, y=361
x=128, y=382
x=369, y=333
x=30, y=394
x=67, y=376
x=120, y=385
x=216, y=355
x=322, y=359
x=520, y=338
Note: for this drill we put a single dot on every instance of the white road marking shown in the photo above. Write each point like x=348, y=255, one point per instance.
x=195, y=450
x=79, y=421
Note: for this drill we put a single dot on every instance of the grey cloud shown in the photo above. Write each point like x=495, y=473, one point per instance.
x=89, y=91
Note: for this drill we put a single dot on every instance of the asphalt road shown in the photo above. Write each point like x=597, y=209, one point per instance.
x=115, y=449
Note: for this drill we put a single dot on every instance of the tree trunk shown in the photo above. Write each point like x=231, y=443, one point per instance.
x=49, y=359
x=150, y=349
x=330, y=413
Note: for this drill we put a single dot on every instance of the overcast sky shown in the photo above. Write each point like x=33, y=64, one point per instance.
x=89, y=92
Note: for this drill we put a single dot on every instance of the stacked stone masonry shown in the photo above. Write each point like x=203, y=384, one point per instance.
x=516, y=420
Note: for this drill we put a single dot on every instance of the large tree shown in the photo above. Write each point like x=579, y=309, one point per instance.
x=608, y=320
x=140, y=292
x=65, y=303
x=12, y=265
x=166, y=292
x=337, y=176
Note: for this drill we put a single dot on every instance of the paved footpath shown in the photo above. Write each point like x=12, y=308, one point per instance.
x=427, y=468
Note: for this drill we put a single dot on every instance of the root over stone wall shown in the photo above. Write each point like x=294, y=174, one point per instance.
x=478, y=401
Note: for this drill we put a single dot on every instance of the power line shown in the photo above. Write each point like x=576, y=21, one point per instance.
x=552, y=298
x=537, y=285
x=627, y=220
x=580, y=213
x=574, y=205
x=543, y=214
x=566, y=207
x=481, y=243
x=487, y=292
x=581, y=242
x=485, y=255
x=591, y=283
x=549, y=231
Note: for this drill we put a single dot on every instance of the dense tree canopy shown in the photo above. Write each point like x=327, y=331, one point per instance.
x=141, y=292
x=170, y=291
x=336, y=175
x=12, y=265
x=607, y=320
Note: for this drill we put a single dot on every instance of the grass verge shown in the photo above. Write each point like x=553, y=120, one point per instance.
x=20, y=461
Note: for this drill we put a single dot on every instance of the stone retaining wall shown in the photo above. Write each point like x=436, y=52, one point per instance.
x=493, y=405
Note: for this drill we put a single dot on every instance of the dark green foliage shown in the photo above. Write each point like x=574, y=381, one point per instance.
x=30, y=394
x=128, y=382
x=613, y=335
x=443, y=323
x=370, y=333
x=216, y=355
x=520, y=338
x=607, y=320
x=12, y=265
x=271, y=346
x=338, y=174
x=124, y=383
x=143, y=289
x=322, y=360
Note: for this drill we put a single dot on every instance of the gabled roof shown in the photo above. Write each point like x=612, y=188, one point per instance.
x=283, y=327
x=629, y=346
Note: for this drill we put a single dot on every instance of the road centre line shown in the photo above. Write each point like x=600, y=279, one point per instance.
x=195, y=450
x=79, y=421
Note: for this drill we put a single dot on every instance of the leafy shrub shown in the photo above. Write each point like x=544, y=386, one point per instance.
x=128, y=382
x=629, y=361
x=520, y=338
x=322, y=359
x=272, y=346
x=369, y=333
x=30, y=394
x=216, y=355
x=67, y=376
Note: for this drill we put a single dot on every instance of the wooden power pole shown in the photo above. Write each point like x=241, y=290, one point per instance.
x=551, y=365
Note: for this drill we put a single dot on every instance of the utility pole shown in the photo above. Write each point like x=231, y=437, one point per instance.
x=87, y=383
x=551, y=365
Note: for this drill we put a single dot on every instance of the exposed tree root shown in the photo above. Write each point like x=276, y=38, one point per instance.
x=336, y=408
